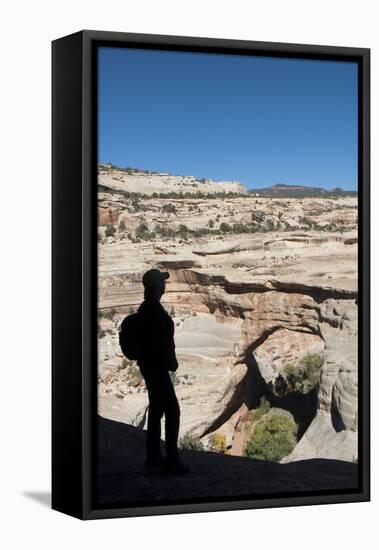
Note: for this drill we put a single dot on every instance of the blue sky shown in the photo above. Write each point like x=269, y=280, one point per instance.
x=258, y=120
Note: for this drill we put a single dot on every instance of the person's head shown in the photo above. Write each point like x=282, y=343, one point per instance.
x=154, y=282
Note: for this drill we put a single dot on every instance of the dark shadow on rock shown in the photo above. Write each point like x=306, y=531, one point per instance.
x=42, y=497
x=248, y=392
x=122, y=477
x=337, y=421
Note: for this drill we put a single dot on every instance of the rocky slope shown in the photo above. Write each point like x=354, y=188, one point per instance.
x=121, y=459
x=251, y=300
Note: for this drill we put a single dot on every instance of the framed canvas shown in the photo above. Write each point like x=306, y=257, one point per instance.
x=210, y=274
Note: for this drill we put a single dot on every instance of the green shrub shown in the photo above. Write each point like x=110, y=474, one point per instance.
x=306, y=221
x=133, y=375
x=125, y=363
x=262, y=409
x=174, y=378
x=293, y=376
x=109, y=314
x=312, y=364
x=191, y=442
x=137, y=206
x=183, y=230
x=225, y=227
x=122, y=225
x=257, y=216
x=274, y=437
x=110, y=230
x=306, y=375
x=142, y=232
x=170, y=208
x=164, y=231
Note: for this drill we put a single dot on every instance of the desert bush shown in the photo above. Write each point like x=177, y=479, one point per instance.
x=306, y=221
x=133, y=375
x=142, y=232
x=110, y=230
x=262, y=409
x=293, y=376
x=257, y=216
x=174, y=378
x=109, y=314
x=170, y=208
x=125, y=363
x=164, y=231
x=225, y=227
x=274, y=437
x=183, y=230
x=191, y=442
x=122, y=225
x=311, y=365
x=136, y=205
x=305, y=375
x=217, y=443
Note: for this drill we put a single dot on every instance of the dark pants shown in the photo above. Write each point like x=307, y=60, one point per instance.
x=162, y=401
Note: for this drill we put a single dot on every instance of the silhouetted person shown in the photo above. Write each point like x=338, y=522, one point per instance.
x=157, y=358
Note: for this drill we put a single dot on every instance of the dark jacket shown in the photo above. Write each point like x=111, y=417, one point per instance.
x=157, y=346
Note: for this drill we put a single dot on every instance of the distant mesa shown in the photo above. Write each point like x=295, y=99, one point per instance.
x=286, y=190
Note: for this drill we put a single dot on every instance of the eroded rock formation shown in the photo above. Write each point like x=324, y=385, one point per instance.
x=245, y=306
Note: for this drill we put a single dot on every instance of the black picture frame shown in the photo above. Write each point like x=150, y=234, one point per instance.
x=74, y=268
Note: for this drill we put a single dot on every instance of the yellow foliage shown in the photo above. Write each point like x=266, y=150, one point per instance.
x=218, y=442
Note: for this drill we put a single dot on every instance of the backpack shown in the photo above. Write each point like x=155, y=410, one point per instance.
x=129, y=336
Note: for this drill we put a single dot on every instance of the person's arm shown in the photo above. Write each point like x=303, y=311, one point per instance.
x=169, y=345
x=172, y=360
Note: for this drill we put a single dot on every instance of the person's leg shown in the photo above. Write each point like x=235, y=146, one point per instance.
x=163, y=400
x=155, y=413
x=172, y=419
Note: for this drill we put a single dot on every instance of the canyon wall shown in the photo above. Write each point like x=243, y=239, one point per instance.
x=248, y=309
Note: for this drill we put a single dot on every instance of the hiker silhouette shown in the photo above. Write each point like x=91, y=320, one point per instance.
x=156, y=358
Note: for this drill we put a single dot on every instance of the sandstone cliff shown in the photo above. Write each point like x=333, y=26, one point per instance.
x=248, y=307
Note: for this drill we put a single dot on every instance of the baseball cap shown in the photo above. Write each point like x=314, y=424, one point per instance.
x=154, y=276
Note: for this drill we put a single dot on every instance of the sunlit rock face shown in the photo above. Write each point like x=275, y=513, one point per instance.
x=245, y=306
x=333, y=433
x=285, y=347
x=113, y=180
